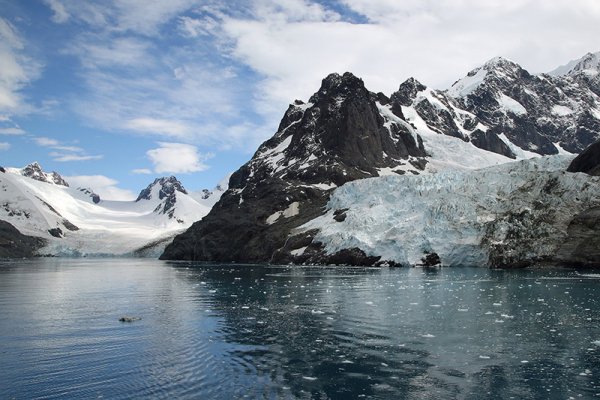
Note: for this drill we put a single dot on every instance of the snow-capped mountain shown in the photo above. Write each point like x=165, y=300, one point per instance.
x=34, y=171
x=208, y=197
x=500, y=103
x=588, y=64
x=78, y=222
x=279, y=204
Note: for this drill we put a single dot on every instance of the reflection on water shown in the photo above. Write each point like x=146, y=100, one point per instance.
x=291, y=332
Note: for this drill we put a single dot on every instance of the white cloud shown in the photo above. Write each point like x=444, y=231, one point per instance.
x=16, y=70
x=45, y=142
x=96, y=51
x=66, y=157
x=193, y=27
x=60, y=15
x=102, y=185
x=141, y=171
x=12, y=131
x=286, y=11
x=144, y=17
x=435, y=41
x=158, y=127
x=177, y=158
x=64, y=153
x=4, y=146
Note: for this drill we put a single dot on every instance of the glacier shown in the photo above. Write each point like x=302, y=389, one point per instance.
x=76, y=222
x=514, y=211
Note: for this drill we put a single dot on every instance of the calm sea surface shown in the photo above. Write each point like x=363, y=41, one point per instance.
x=229, y=332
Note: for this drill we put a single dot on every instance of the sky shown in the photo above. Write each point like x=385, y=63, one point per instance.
x=112, y=94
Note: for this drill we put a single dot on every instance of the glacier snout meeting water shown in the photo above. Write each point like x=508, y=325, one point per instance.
x=507, y=215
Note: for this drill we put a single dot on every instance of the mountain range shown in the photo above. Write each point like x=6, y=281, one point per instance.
x=284, y=204
x=77, y=222
x=482, y=173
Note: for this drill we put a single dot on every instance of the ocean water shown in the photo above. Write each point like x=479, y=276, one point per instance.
x=234, y=332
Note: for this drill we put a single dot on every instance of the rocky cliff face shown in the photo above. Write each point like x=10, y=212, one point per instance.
x=343, y=133
x=13, y=244
x=588, y=161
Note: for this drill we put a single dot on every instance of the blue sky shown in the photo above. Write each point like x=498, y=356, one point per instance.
x=114, y=93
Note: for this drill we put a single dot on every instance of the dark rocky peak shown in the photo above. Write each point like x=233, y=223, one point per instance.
x=35, y=171
x=59, y=180
x=89, y=192
x=338, y=136
x=205, y=194
x=339, y=87
x=496, y=75
x=407, y=92
x=501, y=64
x=500, y=69
x=166, y=187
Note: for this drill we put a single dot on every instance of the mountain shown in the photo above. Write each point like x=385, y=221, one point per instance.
x=343, y=133
x=76, y=221
x=34, y=171
x=500, y=103
x=280, y=204
x=588, y=64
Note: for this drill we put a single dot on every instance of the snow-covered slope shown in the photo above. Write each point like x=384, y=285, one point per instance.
x=513, y=213
x=78, y=222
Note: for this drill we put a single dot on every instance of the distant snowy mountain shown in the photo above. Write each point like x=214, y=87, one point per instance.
x=279, y=205
x=34, y=171
x=78, y=222
x=207, y=197
x=588, y=64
